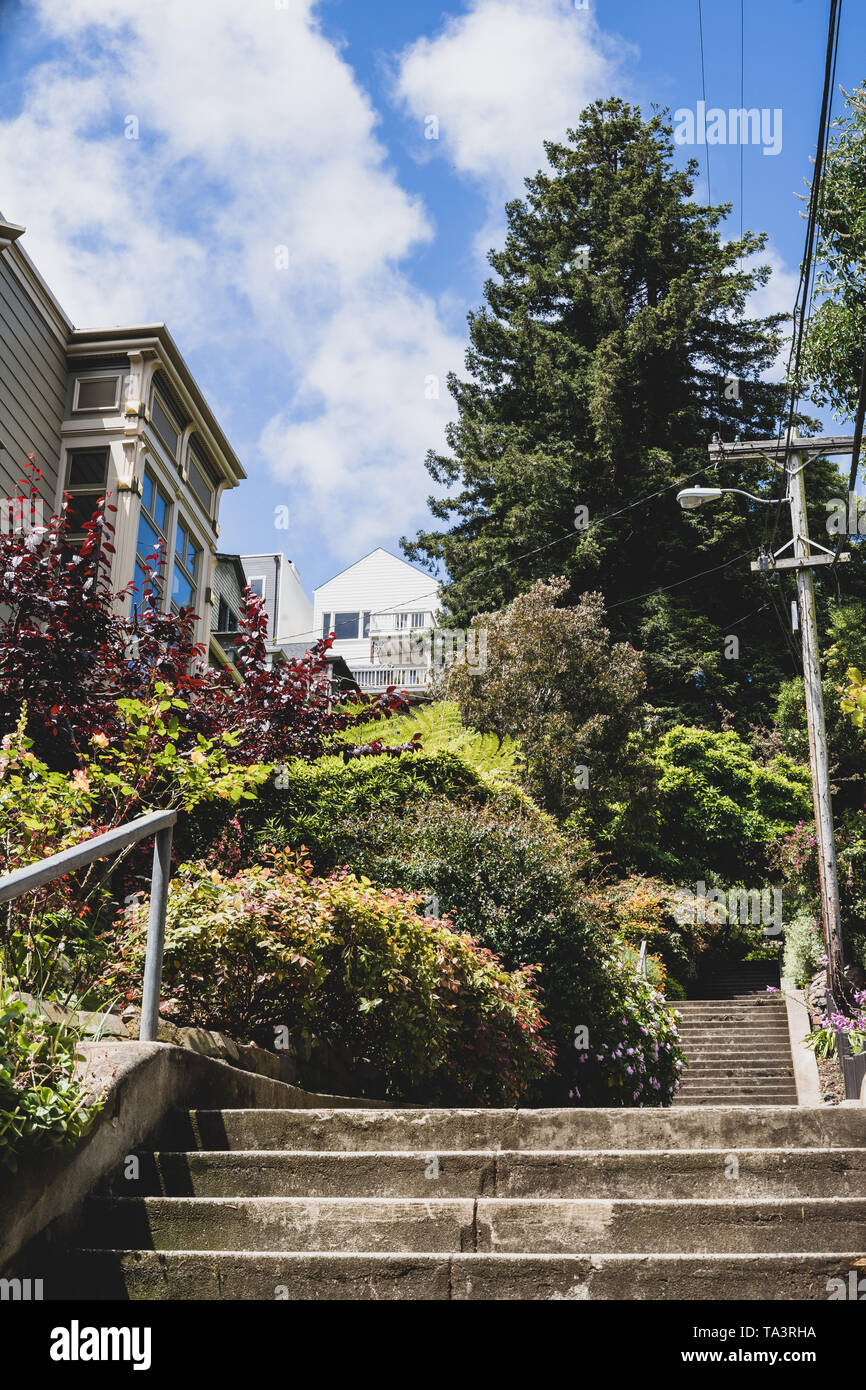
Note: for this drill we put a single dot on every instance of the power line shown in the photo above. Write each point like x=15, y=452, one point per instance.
x=665, y=588
x=527, y=554
x=806, y=265
x=704, y=90
x=742, y=102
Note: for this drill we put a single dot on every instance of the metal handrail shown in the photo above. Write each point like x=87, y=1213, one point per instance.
x=160, y=824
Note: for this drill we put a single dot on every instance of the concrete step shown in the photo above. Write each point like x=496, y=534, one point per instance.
x=726, y=1101
x=262, y=1275
x=761, y=1054
x=755, y=1067
x=747, y=1039
x=434, y=1131
x=550, y=1225
x=505, y=1173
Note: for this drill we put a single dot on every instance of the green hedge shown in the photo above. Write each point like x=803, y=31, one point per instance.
x=275, y=947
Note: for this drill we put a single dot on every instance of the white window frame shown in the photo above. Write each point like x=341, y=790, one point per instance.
x=97, y=409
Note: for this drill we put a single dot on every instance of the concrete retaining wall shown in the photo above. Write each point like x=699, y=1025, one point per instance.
x=142, y=1083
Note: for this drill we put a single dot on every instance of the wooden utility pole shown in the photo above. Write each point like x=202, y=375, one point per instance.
x=796, y=453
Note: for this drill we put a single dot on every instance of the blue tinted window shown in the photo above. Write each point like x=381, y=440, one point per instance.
x=149, y=539
x=181, y=589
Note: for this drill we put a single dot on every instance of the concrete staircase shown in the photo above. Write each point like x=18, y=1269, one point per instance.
x=736, y=1040
x=700, y=1203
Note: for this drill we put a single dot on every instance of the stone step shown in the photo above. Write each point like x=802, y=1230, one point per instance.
x=242, y=1275
x=778, y=1038
x=504, y=1173
x=754, y=1066
x=550, y=1225
x=740, y=1085
x=432, y=1131
x=770, y=1054
x=758, y=1016
x=729, y=1102
x=779, y=1079
x=749, y=1061
x=772, y=1002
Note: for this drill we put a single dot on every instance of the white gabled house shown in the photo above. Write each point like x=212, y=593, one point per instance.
x=381, y=610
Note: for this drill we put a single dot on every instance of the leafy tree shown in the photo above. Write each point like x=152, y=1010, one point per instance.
x=836, y=336
x=67, y=654
x=556, y=683
x=718, y=809
x=611, y=346
x=843, y=633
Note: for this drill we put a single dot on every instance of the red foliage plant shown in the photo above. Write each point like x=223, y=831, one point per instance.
x=69, y=653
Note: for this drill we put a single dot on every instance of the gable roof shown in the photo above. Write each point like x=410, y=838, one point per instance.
x=379, y=550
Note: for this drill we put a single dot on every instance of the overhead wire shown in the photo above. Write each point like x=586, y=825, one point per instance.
x=557, y=540
x=704, y=91
x=803, y=296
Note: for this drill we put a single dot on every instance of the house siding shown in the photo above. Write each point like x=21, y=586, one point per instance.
x=378, y=584
x=33, y=379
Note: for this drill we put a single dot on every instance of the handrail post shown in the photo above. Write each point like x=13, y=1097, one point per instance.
x=149, y=1026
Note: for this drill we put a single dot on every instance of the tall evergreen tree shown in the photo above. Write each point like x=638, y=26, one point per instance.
x=612, y=345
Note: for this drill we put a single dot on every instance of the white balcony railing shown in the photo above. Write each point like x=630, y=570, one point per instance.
x=379, y=677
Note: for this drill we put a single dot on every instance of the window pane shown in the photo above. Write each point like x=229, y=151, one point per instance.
x=258, y=587
x=81, y=508
x=366, y=628
x=228, y=619
x=153, y=589
x=148, y=489
x=200, y=486
x=88, y=468
x=417, y=619
x=181, y=589
x=149, y=541
x=164, y=427
x=326, y=624
x=160, y=508
x=96, y=393
x=346, y=625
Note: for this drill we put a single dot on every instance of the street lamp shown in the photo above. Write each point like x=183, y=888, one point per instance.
x=690, y=498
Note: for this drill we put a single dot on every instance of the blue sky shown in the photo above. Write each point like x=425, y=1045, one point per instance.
x=312, y=253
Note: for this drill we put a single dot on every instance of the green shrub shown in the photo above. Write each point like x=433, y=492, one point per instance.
x=804, y=946
x=43, y=1103
x=353, y=965
x=644, y=909
x=717, y=809
x=308, y=803
x=516, y=884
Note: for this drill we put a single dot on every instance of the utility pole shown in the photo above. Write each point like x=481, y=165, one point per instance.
x=796, y=453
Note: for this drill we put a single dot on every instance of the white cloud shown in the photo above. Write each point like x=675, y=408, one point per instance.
x=253, y=134
x=502, y=78
x=777, y=296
